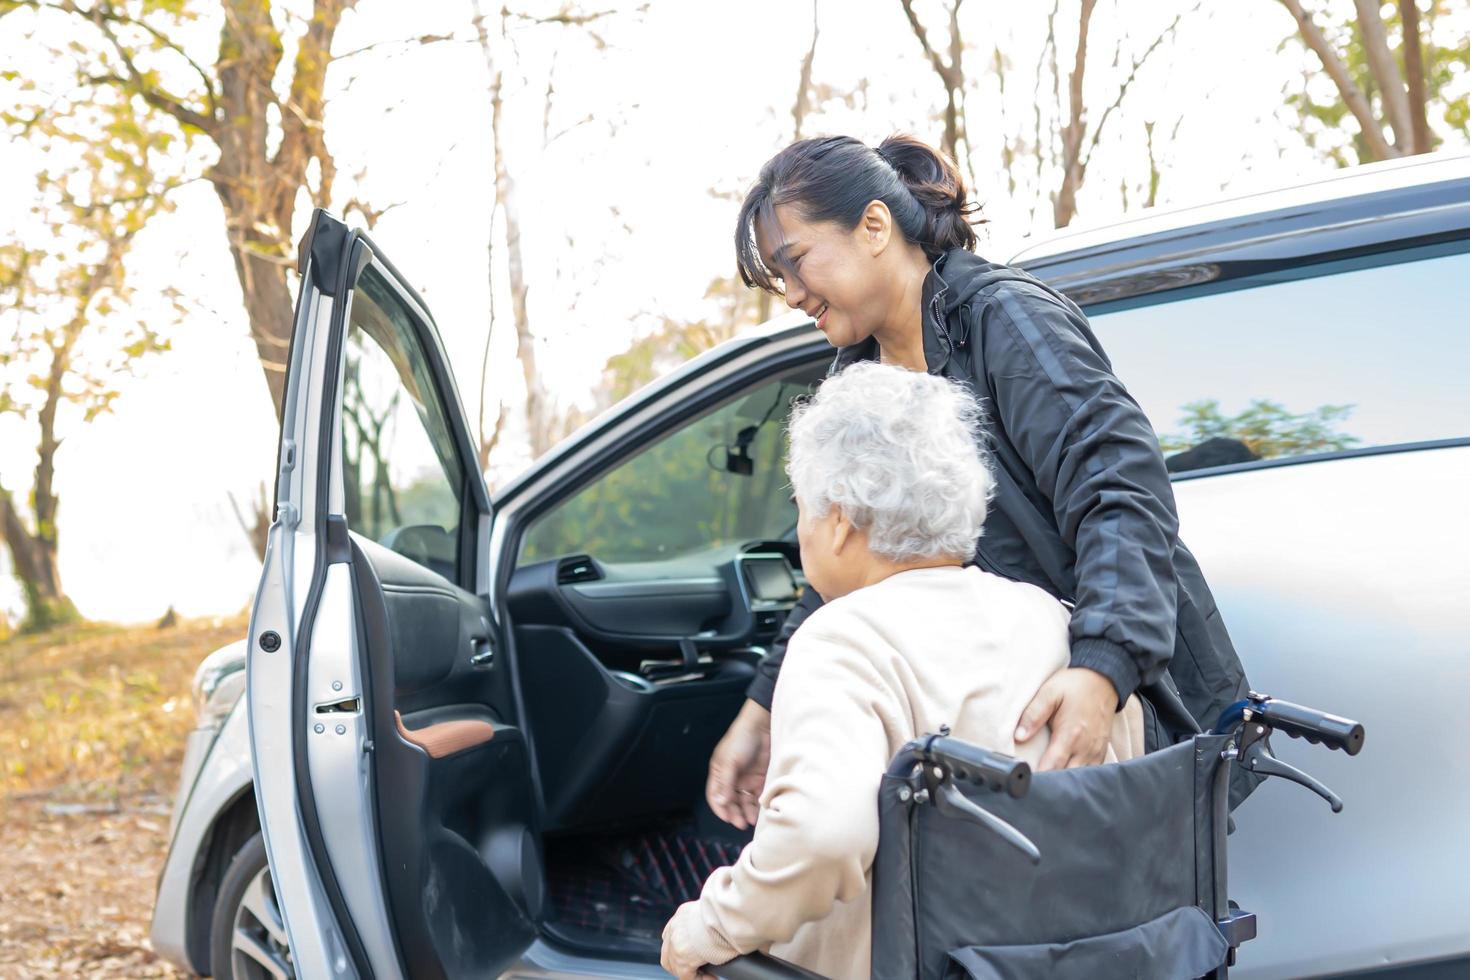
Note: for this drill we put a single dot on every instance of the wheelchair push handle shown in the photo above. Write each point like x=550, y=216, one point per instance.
x=972, y=764
x=1315, y=726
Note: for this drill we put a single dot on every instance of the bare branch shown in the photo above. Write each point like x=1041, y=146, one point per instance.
x=950, y=74
x=1132, y=74
x=566, y=19
x=108, y=13
x=154, y=95
x=923, y=35
x=421, y=40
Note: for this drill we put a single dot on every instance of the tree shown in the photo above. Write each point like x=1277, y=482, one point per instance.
x=543, y=426
x=268, y=141
x=1064, y=136
x=63, y=297
x=1265, y=427
x=257, y=132
x=1398, y=77
x=1073, y=141
x=671, y=342
x=950, y=68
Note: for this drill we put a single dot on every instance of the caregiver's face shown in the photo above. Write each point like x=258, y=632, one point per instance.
x=828, y=272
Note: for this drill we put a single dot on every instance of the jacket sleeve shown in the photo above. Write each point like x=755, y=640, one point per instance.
x=1095, y=456
x=763, y=688
x=818, y=828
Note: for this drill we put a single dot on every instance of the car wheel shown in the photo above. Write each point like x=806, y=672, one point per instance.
x=247, y=938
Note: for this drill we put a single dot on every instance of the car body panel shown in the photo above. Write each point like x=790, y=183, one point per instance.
x=1339, y=596
x=223, y=775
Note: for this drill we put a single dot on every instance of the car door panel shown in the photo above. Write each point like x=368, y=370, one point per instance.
x=636, y=748
x=395, y=784
x=1343, y=583
x=457, y=827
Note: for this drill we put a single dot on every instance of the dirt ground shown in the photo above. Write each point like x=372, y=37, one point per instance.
x=92, y=726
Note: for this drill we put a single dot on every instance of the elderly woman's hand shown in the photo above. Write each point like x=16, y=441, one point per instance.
x=677, y=961
x=1079, y=703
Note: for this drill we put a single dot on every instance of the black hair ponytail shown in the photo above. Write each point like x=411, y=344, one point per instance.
x=834, y=178
x=935, y=182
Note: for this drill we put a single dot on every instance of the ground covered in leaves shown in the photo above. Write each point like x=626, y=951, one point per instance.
x=92, y=727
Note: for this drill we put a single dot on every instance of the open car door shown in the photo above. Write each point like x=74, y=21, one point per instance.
x=391, y=772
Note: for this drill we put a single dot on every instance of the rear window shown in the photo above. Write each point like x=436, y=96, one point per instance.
x=1290, y=366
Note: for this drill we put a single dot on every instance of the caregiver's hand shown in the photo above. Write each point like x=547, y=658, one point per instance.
x=737, y=769
x=1079, y=704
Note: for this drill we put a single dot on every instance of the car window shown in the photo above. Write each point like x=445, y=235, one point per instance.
x=718, y=480
x=402, y=477
x=1286, y=367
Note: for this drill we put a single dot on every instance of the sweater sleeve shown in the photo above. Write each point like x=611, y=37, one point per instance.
x=817, y=832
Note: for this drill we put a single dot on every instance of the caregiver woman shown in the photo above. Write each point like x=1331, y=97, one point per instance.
x=876, y=246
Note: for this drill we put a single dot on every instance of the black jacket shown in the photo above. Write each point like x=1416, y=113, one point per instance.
x=1083, y=507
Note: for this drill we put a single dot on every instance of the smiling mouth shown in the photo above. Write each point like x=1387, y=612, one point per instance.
x=821, y=317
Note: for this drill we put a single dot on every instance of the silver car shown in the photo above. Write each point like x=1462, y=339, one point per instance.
x=470, y=734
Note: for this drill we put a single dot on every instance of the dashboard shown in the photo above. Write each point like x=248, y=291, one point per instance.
x=631, y=672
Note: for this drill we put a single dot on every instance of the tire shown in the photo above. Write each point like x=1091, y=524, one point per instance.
x=247, y=937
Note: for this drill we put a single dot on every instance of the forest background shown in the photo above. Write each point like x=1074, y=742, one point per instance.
x=559, y=181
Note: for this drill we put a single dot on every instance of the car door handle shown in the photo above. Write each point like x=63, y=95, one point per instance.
x=484, y=655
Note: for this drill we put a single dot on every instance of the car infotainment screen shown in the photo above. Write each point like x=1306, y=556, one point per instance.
x=770, y=579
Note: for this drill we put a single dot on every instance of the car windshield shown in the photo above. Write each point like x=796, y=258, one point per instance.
x=716, y=481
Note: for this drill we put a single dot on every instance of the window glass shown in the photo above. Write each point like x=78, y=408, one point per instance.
x=401, y=474
x=716, y=481
x=1352, y=360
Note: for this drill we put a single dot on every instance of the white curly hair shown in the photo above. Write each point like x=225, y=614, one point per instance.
x=900, y=453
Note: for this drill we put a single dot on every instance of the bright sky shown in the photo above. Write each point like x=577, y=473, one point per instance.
x=622, y=219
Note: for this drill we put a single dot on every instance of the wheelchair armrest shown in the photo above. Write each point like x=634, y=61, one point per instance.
x=759, y=966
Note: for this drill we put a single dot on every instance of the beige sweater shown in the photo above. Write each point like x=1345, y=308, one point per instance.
x=865, y=674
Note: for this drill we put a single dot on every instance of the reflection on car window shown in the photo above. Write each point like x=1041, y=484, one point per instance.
x=401, y=475
x=1352, y=360
x=716, y=481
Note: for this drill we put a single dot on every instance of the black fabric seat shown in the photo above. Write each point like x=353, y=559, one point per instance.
x=1130, y=882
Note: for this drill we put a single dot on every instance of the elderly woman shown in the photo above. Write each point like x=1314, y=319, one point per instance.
x=892, y=494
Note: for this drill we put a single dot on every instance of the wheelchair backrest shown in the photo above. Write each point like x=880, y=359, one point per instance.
x=1122, y=846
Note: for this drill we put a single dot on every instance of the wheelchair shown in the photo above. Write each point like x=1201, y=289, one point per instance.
x=1104, y=871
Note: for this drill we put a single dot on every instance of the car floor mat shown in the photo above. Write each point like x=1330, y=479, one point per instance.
x=631, y=884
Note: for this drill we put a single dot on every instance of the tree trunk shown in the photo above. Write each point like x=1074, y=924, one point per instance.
x=259, y=189
x=33, y=553
x=1414, y=70
x=33, y=562
x=539, y=429
x=1386, y=70
x=1065, y=206
x=804, y=81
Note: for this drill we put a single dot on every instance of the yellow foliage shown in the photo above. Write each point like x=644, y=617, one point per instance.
x=97, y=711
